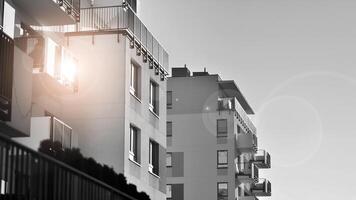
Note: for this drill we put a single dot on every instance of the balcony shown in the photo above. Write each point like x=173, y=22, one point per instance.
x=6, y=75
x=51, y=12
x=47, y=127
x=232, y=104
x=52, y=63
x=119, y=19
x=246, y=170
x=262, y=159
x=262, y=188
x=246, y=142
x=27, y=174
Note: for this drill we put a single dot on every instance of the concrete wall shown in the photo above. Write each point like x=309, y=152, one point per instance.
x=103, y=109
x=40, y=130
x=152, y=127
x=194, y=114
x=21, y=92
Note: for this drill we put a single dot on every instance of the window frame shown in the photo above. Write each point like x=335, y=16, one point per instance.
x=135, y=80
x=170, y=154
x=238, y=129
x=225, y=197
x=220, y=133
x=169, y=134
x=222, y=165
x=134, y=144
x=169, y=105
x=61, y=137
x=153, y=97
x=169, y=197
x=153, y=158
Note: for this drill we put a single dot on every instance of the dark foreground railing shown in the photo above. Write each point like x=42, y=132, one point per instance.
x=6, y=75
x=29, y=175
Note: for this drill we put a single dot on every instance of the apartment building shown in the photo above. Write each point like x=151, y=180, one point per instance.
x=212, y=150
x=90, y=75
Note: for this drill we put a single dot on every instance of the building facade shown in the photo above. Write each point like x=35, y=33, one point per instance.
x=211, y=141
x=90, y=75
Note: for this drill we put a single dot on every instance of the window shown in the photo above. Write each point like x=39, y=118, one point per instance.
x=222, y=191
x=61, y=133
x=8, y=19
x=153, y=158
x=222, y=159
x=153, y=97
x=134, y=144
x=238, y=129
x=169, y=160
x=169, y=99
x=221, y=127
x=135, y=81
x=169, y=191
x=169, y=128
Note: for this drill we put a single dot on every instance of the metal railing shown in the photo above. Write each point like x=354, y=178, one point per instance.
x=262, y=187
x=6, y=75
x=262, y=159
x=27, y=174
x=61, y=132
x=246, y=168
x=231, y=103
x=72, y=7
x=119, y=18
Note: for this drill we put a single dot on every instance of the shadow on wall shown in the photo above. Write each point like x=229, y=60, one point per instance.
x=104, y=173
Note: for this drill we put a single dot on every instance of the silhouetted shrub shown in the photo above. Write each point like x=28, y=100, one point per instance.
x=104, y=173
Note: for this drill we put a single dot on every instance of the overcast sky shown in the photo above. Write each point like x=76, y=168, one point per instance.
x=295, y=62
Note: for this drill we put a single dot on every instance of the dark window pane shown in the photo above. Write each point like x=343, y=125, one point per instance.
x=222, y=191
x=222, y=159
x=169, y=128
x=169, y=99
x=221, y=127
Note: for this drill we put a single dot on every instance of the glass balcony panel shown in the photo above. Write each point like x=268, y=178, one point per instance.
x=144, y=36
x=137, y=29
x=51, y=12
x=261, y=188
x=262, y=159
x=57, y=130
x=149, y=42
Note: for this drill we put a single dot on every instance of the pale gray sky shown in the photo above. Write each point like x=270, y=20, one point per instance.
x=295, y=62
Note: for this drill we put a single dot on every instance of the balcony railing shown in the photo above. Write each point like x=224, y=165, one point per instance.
x=27, y=174
x=262, y=159
x=72, y=7
x=245, y=169
x=231, y=103
x=120, y=19
x=262, y=188
x=61, y=132
x=6, y=75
